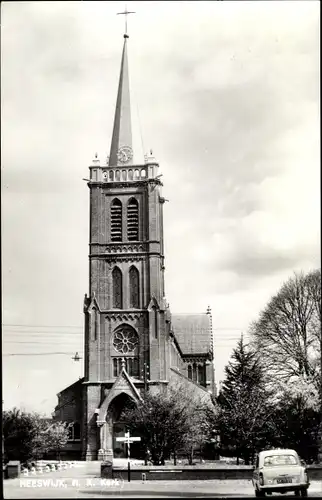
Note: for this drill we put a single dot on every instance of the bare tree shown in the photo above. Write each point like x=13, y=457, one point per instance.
x=288, y=331
x=314, y=289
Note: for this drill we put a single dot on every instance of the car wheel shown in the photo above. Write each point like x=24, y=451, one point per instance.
x=259, y=494
x=304, y=492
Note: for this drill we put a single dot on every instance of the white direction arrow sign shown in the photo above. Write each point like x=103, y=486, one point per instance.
x=128, y=439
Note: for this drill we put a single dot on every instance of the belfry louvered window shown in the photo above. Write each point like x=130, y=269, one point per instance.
x=133, y=220
x=117, y=288
x=116, y=220
x=134, y=287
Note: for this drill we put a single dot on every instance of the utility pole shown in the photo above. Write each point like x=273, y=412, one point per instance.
x=145, y=377
x=320, y=429
x=3, y=450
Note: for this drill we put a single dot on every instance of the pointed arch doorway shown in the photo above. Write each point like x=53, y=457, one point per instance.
x=115, y=410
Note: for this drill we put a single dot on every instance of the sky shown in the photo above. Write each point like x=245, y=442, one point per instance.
x=226, y=94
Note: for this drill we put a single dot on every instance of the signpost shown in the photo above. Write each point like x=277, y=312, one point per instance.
x=128, y=440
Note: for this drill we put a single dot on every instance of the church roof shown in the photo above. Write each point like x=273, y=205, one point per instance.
x=192, y=332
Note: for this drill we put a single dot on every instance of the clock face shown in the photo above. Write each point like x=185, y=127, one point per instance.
x=124, y=154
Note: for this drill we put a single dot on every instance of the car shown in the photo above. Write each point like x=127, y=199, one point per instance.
x=280, y=471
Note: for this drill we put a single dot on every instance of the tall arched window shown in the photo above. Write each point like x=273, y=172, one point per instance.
x=115, y=368
x=116, y=220
x=94, y=323
x=117, y=288
x=200, y=374
x=190, y=372
x=135, y=370
x=134, y=287
x=74, y=431
x=77, y=430
x=133, y=220
x=194, y=372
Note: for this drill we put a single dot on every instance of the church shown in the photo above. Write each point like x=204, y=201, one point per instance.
x=132, y=342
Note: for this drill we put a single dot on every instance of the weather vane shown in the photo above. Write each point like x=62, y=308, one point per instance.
x=126, y=12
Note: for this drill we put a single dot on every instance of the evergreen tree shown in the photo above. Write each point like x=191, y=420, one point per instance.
x=245, y=406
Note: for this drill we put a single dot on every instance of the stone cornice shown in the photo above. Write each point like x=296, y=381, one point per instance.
x=125, y=243
x=195, y=359
x=118, y=257
x=124, y=311
x=124, y=184
x=122, y=247
x=124, y=316
x=204, y=356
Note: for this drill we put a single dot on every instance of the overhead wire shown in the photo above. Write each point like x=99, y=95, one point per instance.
x=39, y=353
x=41, y=326
x=43, y=338
x=81, y=328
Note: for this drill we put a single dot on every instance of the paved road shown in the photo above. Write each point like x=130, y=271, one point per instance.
x=67, y=487
x=83, y=482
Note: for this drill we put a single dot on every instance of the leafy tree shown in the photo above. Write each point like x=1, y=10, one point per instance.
x=27, y=436
x=200, y=418
x=297, y=417
x=299, y=389
x=288, y=331
x=18, y=434
x=57, y=436
x=167, y=421
x=245, y=406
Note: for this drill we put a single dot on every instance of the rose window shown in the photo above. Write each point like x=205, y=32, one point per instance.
x=125, y=340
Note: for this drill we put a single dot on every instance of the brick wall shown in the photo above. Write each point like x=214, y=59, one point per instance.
x=69, y=407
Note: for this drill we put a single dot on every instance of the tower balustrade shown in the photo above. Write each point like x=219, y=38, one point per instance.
x=131, y=173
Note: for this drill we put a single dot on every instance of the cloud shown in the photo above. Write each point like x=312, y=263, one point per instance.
x=225, y=93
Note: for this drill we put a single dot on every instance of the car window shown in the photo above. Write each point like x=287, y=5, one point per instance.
x=276, y=460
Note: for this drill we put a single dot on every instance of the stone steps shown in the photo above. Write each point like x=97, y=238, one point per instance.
x=50, y=466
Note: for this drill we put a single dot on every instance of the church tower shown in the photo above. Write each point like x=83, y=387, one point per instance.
x=131, y=341
x=126, y=324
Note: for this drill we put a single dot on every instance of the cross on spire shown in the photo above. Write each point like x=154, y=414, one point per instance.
x=126, y=12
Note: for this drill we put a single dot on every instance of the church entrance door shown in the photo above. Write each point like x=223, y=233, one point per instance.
x=116, y=408
x=119, y=448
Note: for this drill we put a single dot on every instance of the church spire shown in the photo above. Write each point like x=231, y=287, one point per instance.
x=121, y=152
